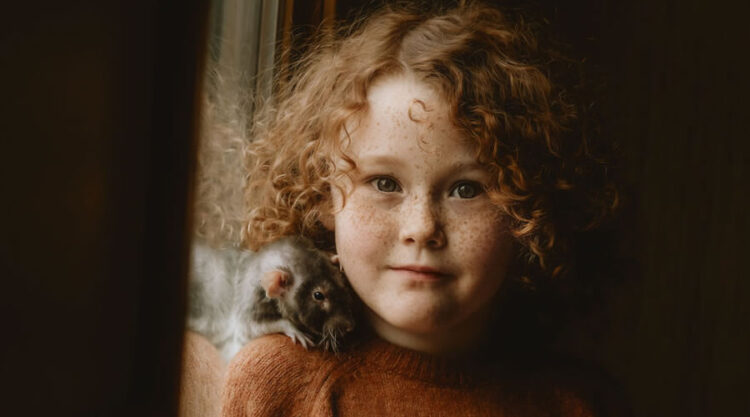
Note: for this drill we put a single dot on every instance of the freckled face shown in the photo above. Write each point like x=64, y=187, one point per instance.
x=417, y=236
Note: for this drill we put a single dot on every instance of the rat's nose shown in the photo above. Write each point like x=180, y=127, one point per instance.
x=343, y=324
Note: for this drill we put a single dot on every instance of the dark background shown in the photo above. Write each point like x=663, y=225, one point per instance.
x=97, y=130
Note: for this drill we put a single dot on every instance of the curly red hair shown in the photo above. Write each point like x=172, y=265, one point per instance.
x=497, y=80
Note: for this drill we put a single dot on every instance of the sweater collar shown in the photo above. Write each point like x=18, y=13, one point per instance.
x=470, y=368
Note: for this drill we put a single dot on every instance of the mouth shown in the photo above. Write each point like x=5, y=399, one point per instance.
x=420, y=272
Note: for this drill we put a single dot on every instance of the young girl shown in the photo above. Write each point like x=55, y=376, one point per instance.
x=432, y=151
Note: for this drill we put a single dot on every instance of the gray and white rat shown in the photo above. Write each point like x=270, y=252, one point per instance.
x=288, y=286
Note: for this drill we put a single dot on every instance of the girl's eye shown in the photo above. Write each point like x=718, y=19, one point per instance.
x=319, y=296
x=466, y=190
x=386, y=185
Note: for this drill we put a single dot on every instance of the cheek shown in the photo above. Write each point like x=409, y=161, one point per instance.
x=481, y=241
x=362, y=232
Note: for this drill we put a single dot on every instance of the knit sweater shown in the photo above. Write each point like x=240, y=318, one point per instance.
x=271, y=376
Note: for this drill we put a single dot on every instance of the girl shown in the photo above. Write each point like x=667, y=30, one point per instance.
x=434, y=153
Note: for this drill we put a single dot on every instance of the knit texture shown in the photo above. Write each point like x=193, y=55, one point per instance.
x=273, y=377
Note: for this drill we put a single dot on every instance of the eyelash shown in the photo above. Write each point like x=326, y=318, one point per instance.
x=478, y=188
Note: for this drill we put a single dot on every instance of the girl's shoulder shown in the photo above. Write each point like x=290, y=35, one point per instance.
x=276, y=348
x=271, y=375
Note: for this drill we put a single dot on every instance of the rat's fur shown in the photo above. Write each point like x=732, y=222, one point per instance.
x=230, y=304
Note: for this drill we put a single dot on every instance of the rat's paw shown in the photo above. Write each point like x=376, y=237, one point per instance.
x=297, y=336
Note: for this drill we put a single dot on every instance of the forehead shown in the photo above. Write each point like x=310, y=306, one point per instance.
x=407, y=116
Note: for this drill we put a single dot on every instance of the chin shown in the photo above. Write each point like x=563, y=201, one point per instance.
x=430, y=320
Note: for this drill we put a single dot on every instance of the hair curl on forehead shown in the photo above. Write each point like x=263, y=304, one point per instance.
x=498, y=83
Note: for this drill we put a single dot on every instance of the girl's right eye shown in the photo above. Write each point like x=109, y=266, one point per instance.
x=386, y=185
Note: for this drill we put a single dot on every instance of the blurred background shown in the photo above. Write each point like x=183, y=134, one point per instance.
x=98, y=161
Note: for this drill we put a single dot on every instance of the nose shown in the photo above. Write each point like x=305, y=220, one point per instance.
x=421, y=225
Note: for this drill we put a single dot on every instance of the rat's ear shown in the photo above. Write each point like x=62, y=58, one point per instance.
x=276, y=282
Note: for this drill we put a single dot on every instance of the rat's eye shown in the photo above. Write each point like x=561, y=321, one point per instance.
x=466, y=190
x=386, y=185
x=319, y=296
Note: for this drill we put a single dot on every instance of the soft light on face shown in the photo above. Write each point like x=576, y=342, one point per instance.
x=420, y=241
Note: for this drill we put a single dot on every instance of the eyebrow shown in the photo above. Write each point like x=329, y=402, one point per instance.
x=380, y=160
x=466, y=166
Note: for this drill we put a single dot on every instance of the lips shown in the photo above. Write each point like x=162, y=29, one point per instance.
x=421, y=272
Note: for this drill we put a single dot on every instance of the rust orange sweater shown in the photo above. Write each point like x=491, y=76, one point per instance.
x=273, y=377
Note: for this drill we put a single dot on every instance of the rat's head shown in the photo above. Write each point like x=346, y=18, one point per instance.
x=311, y=292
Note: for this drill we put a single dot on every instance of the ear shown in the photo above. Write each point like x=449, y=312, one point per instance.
x=276, y=283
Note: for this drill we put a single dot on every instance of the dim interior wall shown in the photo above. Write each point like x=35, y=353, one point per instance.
x=97, y=129
x=678, y=94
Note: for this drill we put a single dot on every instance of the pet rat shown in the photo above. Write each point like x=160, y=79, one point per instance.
x=288, y=286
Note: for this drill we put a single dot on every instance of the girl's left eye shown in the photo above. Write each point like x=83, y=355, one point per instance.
x=466, y=190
